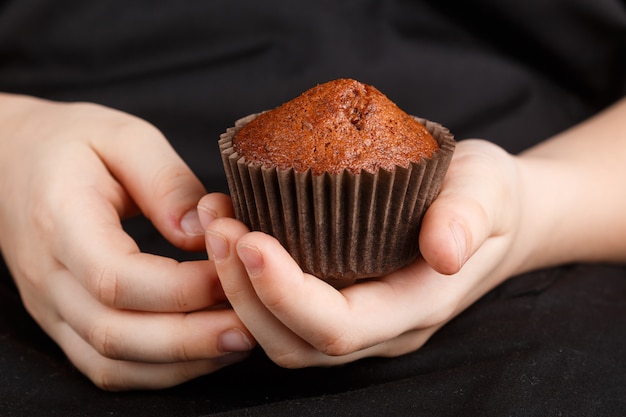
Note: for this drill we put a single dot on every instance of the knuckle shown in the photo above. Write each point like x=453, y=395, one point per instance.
x=136, y=126
x=183, y=352
x=169, y=179
x=105, y=285
x=184, y=295
x=331, y=346
x=106, y=376
x=474, y=209
x=278, y=302
x=338, y=344
x=102, y=338
x=235, y=293
x=181, y=299
x=187, y=373
x=404, y=344
x=439, y=315
x=125, y=124
x=289, y=359
x=25, y=269
x=41, y=213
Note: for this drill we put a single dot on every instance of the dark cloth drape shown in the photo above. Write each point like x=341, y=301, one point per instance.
x=547, y=343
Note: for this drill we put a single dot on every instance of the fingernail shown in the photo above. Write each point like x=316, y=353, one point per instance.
x=458, y=232
x=218, y=245
x=190, y=223
x=252, y=259
x=206, y=216
x=234, y=340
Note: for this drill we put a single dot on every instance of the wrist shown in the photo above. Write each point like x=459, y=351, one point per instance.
x=570, y=214
x=546, y=233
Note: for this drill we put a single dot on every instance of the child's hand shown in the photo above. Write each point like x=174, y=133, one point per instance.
x=68, y=174
x=469, y=242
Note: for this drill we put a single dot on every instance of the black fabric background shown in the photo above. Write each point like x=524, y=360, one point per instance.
x=548, y=343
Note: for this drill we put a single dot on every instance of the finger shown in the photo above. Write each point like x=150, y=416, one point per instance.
x=160, y=182
x=146, y=337
x=467, y=210
x=292, y=296
x=278, y=341
x=300, y=320
x=116, y=375
x=91, y=243
x=213, y=206
x=335, y=322
x=388, y=316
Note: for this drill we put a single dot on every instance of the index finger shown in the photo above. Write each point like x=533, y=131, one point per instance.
x=274, y=297
x=92, y=244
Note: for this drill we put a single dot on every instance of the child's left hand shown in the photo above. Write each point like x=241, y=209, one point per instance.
x=469, y=243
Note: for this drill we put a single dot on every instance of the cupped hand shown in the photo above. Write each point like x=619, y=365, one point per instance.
x=469, y=242
x=68, y=174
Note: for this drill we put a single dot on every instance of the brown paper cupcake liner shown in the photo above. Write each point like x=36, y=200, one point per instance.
x=339, y=226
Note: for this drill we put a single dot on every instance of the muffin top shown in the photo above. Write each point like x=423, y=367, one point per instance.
x=341, y=124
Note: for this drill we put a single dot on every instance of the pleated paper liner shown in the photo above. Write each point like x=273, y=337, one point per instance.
x=339, y=226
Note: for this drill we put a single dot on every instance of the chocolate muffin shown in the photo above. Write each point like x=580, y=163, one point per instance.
x=340, y=176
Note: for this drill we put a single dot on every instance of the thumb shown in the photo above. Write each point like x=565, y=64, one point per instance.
x=155, y=176
x=450, y=232
x=469, y=208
